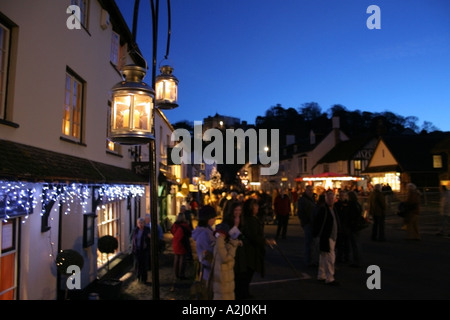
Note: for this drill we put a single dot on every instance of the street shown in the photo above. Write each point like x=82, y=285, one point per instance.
x=408, y=269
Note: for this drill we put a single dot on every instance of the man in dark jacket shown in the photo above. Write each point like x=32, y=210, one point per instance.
x=282, y=208
x=305, y=211
x=377, y=210
x=141, y=249
x=326, y=228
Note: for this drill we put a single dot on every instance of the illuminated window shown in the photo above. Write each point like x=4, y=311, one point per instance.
x=357, y=164
x=341, y=165
x=108, y=219
x=73, y=107
x=5, y=39
x=437, y=161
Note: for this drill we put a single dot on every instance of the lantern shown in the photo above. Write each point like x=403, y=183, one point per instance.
x=166, y=86
x=132, y=108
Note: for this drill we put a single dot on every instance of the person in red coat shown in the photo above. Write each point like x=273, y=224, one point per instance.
x=180, y=245
x=282, y=208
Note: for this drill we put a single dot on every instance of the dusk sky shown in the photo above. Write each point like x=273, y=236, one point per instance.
x=238, y=58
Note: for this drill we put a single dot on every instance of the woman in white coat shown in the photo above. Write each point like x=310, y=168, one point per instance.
x=224, y=257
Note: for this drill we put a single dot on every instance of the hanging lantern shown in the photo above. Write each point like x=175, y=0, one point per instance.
x=166, y=86
x=132, y=108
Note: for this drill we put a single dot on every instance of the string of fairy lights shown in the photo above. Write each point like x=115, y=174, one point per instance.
x=20, y=197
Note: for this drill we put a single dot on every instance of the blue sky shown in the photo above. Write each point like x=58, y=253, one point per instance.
x=241, y=57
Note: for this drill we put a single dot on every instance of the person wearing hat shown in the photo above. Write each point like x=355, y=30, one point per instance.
x=377, y=210
x=412, y=207
x=223, y=263
x=203, y=236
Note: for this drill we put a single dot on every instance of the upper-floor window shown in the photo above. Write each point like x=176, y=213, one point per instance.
x=341, y=166
x=84, y=6
x=303, y=165
x=73, y=106
x=357, y=165
x=437, y=161
x=115, y=48
x=4, y=63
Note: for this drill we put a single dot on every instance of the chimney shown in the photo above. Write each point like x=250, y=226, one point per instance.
x=290, y=139
x=336, y=125
x=312, y=137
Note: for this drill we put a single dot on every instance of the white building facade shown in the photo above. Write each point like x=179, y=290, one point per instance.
x=62, y=183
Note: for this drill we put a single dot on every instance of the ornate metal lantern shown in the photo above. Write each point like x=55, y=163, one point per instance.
x=132, y=108
x=166, y=86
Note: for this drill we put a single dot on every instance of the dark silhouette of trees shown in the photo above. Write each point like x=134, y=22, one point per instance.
x=310, y=117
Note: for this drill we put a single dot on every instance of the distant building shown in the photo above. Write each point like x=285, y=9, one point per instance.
x=402, y=159
x=221, y=122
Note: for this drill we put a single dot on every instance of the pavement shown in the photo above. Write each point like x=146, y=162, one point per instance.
x=170, y=288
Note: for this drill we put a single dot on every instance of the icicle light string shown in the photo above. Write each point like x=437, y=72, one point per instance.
x=21, y=195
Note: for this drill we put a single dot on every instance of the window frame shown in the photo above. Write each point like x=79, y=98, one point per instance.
x=437, y=161
x=11, y=251
x=5, y=56
x=104, y=224
x=115, y=51
x=6, y=113
x=82, y=84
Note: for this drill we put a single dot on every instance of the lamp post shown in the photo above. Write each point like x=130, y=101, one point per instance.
x=133, y=116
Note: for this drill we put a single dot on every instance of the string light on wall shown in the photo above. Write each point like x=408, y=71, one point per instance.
x=18, y=198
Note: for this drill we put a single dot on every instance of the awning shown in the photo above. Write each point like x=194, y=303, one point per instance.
x=329, y=176
x=27, y=163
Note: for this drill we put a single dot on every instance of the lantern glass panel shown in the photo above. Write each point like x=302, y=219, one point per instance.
x=166, y=90
x=142, y=112
x=121, y=112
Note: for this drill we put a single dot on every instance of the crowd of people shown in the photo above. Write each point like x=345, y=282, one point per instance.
x=230, y=252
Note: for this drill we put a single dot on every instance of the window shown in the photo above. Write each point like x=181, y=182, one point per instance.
x=341, y=165
x=115, y=49
x=357, y=165
x=303, y=164
x=437, y=161
x=84, y=5
x=108, y=223
x=8, y=259
x=110, y=146
x=4, y=62
x=73, y=107
x=161, y=144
